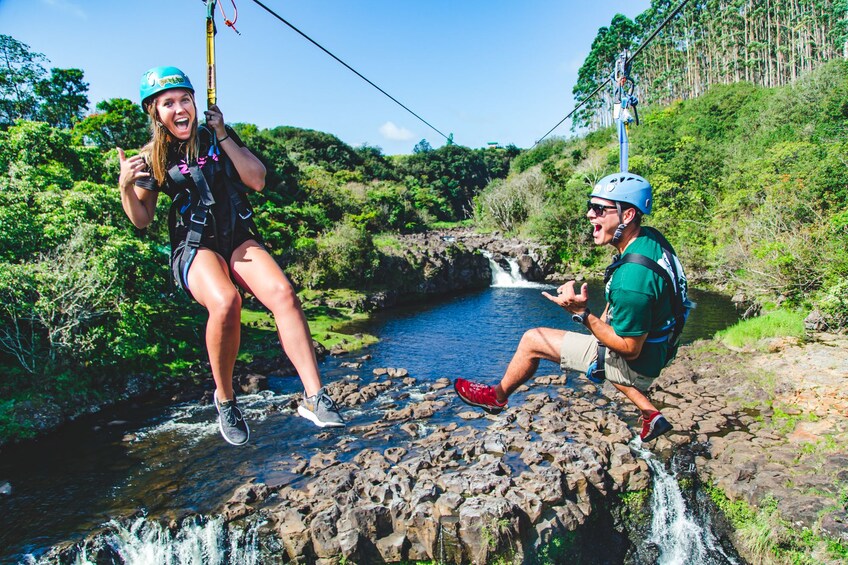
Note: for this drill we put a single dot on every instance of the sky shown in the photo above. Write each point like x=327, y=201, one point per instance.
x=486, y=71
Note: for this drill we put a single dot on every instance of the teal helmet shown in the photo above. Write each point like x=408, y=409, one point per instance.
x=626, y=188
x=159, y=79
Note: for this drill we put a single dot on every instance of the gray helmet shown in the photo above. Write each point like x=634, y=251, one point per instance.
x=626, y=188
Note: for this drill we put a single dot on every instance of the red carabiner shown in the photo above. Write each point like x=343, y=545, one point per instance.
x=230, y=23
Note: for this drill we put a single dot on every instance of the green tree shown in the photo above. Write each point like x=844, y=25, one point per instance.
x=606, y=48
x=456, y=172
x=374, y=163
x=422, y=146
x=63, y=98
x=20, y=71
x=118, y=122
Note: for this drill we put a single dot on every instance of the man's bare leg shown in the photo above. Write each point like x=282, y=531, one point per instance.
x=535, y=345
x=636, y=397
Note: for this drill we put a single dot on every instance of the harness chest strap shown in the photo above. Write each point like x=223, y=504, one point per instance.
x=200, y=212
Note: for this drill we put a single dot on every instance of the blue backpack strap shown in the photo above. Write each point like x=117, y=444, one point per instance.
x=596, y=372
x=671, y=331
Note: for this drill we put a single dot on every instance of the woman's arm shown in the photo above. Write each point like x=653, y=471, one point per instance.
x=139, y=204
x=250, y=169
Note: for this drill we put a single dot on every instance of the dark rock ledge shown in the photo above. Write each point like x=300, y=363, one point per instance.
x=444, y=262
x=533, y=472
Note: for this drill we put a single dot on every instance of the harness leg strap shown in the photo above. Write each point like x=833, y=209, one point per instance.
x=597, y=369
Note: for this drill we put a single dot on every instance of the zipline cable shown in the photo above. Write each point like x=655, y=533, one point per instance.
x=603, y=84
x=582, y=102
x=357, y=73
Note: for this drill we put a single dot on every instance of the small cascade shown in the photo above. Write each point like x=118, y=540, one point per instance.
x=681, y=536
x=509, y=279
x=449, y=546
x=198, y=541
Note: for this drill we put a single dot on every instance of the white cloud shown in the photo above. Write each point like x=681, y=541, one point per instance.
x=67, y=6
x=391, y=131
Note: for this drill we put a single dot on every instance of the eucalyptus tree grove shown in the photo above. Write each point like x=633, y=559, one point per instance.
x=765, y=42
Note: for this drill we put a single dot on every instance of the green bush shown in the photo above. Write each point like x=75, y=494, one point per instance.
x=777, y=323
x=506, y=204
x=344, y=257
x=538, y=154
x=833, y=303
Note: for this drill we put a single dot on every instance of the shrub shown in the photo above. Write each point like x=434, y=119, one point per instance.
x=343, y=257
x=508, y=203
x=777, y=323
x=833, y=302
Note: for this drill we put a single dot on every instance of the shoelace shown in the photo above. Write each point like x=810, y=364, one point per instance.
x=231, y=414
x=327, y=401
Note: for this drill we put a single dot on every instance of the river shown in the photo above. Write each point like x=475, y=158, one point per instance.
x=168, y=460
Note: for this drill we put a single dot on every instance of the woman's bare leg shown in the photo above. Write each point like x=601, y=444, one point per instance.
x=257, y=272
x=210, y=284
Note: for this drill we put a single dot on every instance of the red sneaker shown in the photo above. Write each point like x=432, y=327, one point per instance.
x=480, y=395
x=654, y=426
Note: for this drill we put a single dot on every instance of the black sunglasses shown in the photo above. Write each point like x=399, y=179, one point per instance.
x=598, y=209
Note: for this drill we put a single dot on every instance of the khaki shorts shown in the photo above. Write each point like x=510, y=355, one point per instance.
x=579, y=350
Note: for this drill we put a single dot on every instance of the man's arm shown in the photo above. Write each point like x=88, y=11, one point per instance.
x=629, y=347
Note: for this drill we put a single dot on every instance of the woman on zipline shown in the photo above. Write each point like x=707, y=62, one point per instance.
x=215, y=246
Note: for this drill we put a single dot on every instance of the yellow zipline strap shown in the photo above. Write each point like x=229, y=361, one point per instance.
x=211, y=96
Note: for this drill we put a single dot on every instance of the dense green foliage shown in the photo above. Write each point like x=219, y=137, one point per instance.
x=749, y=184
x=84, y=295
x=767, y=538
x=324, y=200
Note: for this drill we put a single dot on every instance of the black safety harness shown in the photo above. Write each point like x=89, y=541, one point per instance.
x=195, y=197
x=200, y=212
x=680, y=304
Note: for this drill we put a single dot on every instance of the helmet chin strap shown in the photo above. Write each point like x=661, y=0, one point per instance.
x=619, y=231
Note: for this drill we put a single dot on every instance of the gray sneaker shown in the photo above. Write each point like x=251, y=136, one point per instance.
x=321, y=410
x=231, y=421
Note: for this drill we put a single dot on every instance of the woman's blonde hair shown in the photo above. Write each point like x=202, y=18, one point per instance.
x=156, y=151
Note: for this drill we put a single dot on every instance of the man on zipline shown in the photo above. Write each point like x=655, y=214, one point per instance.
x=632, y=338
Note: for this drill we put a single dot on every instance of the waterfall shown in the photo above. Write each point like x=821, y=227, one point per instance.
x=675, y=529
x=510, y=279
x=198, y=541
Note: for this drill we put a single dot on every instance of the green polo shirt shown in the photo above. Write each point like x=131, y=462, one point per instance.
x=640, y=302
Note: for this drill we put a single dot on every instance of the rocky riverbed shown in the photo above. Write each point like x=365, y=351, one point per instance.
x=771, y=422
